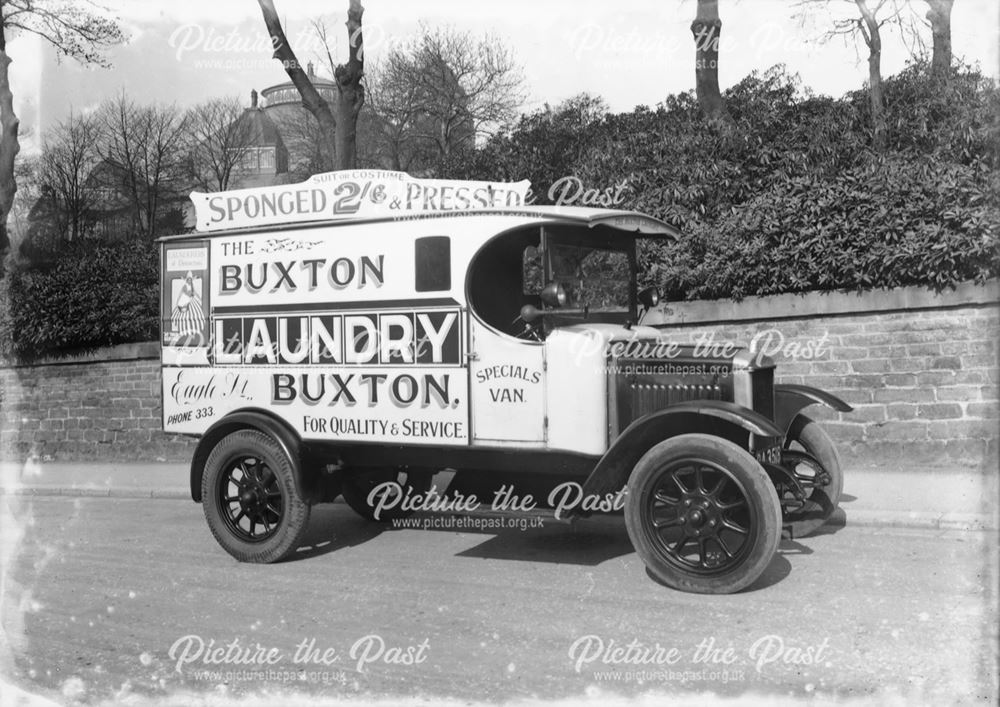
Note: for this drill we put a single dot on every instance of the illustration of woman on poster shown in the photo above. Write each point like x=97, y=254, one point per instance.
x=188, y=317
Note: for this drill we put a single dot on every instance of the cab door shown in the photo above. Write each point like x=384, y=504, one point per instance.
x=506, y=388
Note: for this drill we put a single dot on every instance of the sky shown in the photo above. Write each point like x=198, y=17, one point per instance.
x=628, y=52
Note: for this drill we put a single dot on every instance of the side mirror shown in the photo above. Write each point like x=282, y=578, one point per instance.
x=530, y=313
x=649, y=297
x=553, y=295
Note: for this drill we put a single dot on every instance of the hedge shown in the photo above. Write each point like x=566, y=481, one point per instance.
x=788, y=195
x=888, y=223
x=92, y=296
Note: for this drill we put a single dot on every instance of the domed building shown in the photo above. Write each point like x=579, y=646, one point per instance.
x=288, y=146
x=265, y=159
x=283, y=102
x=297, y=126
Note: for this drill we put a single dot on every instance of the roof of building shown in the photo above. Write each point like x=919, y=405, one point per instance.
x=263, y=131
x=288, y=88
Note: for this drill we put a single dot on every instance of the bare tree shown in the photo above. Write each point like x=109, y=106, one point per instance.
x=218, y=138
x=387, y=140
x=80, y=30
x=870, y=28
x=350, y=91
x=398, y=110
x=141, y=156
x=939, y=16
x=872, y=16
x=68, y=158
x=9, y=145
x=340, y=128
x=443, y=91
x=309, y=151
x=707, y=28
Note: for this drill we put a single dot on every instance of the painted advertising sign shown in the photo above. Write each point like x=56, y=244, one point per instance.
x=351, y=194
x=324, y=327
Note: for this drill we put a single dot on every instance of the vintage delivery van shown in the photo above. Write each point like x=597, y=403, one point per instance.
x=358, y=332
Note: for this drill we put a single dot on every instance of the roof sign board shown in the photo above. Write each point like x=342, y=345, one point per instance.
x=351, y=194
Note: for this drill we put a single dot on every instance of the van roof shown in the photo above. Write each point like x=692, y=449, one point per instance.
x=628, y=222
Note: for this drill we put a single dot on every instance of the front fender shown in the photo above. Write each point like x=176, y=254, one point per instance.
x=740, y=425
x=790, y=400
x=254, y=419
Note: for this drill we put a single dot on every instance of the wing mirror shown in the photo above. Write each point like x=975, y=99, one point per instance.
x=553, y=295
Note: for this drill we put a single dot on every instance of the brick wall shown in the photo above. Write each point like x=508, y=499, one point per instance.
x=102, y=406
x=920, y=369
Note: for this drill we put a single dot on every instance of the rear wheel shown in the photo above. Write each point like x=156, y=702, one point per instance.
x=249, y=498
x=702, y=514
x=812, y=458
x=389, y=486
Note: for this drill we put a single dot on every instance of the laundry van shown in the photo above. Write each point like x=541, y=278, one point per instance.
x=361, y=333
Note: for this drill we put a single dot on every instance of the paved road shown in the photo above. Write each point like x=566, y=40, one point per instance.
x=99, y=590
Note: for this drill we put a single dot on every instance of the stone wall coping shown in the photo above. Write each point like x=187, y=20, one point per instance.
x=140, y=351
x=812, y=305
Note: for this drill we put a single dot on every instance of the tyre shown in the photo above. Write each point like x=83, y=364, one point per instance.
x=357, y=488
x=820, y=458
x=702, y=514
x=249, y=498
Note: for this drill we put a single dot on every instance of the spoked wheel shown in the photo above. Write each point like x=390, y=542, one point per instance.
x=702, y=514
x=388, y=484
x=249, y=498
x=812, y=458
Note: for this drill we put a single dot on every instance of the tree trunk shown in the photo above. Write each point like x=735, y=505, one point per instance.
x=877, y=100
x=311, y=98
x=351, y=94
x=9, y=145
x=870, y=30
x=939, y=16
x=706, y=29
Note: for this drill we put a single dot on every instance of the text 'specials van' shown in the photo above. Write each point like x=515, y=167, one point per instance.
x=369, y=335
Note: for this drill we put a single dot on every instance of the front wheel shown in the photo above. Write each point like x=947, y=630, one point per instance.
x=249, y=498
x=702, y=514
x=812, y=458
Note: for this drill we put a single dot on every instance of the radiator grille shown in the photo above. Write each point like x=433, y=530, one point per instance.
x=645, y=387
x=643, y=394
x=650, y=397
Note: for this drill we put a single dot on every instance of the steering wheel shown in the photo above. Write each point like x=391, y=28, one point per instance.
x=529, y=332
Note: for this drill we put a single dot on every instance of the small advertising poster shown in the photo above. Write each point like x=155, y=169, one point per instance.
x=185, y=296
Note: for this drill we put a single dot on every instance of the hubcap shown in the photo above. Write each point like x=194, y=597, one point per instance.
x=250, y=499
x=698, y=517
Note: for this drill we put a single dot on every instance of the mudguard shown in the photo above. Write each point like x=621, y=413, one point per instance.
x=255, y=419
x=790, y=400
x=716, y=417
